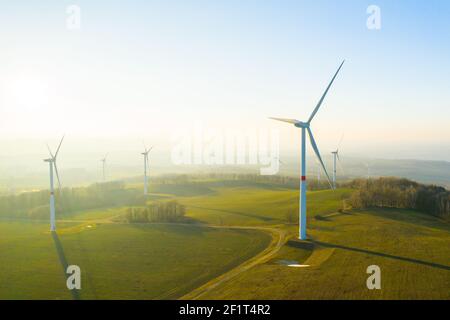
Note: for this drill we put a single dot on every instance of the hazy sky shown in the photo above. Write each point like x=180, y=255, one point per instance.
x=140, y=69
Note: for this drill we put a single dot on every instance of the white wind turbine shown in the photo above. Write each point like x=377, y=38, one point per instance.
x=368, y=170
x=335, y=160
x=104, y=166
x=52, y=164
x=305, y=126
x=318, y=172
x=146, y=166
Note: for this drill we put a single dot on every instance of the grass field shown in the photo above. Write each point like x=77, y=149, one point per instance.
x=412, y=250
x=119, y=261
x=258, y=206
x=130, y=261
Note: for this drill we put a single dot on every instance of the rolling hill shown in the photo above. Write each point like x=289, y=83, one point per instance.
x=237, y=245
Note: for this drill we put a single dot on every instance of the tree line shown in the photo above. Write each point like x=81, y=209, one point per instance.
x=222, y=178
x=170, y=211
x=35, y=205
x=401, y=193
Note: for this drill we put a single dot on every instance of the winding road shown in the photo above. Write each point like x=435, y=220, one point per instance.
x=279, y=238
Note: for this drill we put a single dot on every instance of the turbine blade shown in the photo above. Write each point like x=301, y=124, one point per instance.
x=59, y=146
x=340, y=166
x=340, y=141
x=50, y=151
x=316, y=151
x=57, y=176
x=292, y=121
x=324, y=94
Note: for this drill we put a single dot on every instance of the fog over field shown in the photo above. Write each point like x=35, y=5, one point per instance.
x=23, y=169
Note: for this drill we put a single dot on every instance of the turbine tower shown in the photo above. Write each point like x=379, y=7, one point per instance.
x=368, y=170
x=335, y=157
x=146, y=166
x=52, y=164
x=305, y=126
x=104, y=166
x=318, y=172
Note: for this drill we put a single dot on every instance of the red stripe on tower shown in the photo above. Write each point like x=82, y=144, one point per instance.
x=303, y=178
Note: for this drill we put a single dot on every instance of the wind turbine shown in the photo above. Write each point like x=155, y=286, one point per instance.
x=52, y=164
x=305, y=126
x=335, y=160
x=318, y=172
x=103, y=166
x=368, y=170
x=146, y=166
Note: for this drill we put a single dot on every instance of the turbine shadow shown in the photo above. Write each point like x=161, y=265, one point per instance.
x=410, y=216
x=63, y=261
x=384, y=255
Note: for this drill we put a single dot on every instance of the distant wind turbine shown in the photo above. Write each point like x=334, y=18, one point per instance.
x=368, y=170
x=52, y=165
x=318, y=172
x=146, y=166
x=104, y=167
x=305, y=126
x=335, y=160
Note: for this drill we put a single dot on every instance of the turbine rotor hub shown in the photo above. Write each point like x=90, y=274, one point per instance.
x=301, y=124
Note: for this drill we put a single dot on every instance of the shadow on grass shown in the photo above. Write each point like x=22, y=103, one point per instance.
x=384, y=255
x=409, y=216
x=63, y=261
x=301, y=244
x=330, y=216
x=188, y=229
x=248, y=215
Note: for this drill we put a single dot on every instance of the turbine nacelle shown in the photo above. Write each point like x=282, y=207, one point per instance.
x=301, y=124
x=146, y=151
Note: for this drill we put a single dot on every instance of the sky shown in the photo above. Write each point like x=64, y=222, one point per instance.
x=144, y=70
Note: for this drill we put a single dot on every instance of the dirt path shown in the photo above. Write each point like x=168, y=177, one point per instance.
x=278, y=240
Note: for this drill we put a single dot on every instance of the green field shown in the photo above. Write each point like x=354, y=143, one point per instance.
x=167, y=261
x=258, y=206
x=119, y=261
x=412, y=251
